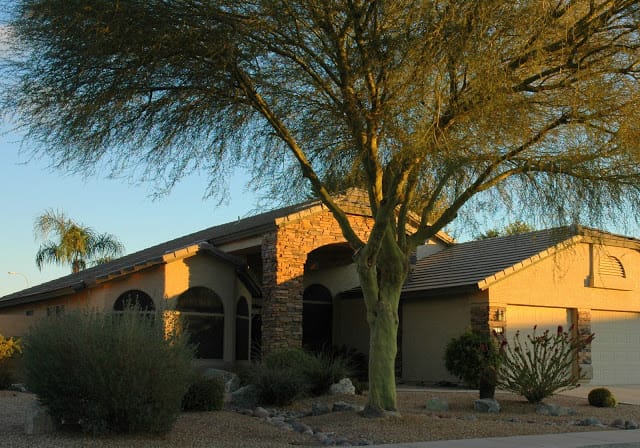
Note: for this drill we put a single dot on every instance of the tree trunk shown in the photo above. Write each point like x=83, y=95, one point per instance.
x=381, y=278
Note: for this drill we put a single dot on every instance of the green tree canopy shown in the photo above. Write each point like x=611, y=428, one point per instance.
x=74, y=244
x=514, y=228
x=426, y=104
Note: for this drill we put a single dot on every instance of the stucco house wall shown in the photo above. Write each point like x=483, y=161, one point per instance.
x=564, y=280
x=427, y=326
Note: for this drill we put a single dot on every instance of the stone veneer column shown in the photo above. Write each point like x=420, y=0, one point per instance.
x=485, y=318
x=282, y=287
x=284, y=253
x=583, y=328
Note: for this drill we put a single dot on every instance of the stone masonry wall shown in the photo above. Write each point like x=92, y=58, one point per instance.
x=284, y=253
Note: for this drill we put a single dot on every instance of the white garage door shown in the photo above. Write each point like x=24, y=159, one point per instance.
x=615, y=351
x=523, y=318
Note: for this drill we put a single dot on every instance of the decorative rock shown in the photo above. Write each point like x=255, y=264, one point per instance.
x=320, y=408
x=589, y=421
x=18, y=387
x=343, y=387
x=553, y=410
x=341, y=406
x=617, y=423
x=260, y=412
x=487, y=405
x=37, y=420
x=437, y=405
x=301, y=428
x=245, y=397
x=230, y=379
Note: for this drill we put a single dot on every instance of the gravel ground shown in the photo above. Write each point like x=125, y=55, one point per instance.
x=231, y=429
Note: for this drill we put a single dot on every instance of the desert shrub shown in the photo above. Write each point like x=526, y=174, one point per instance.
x=325, y=370
x=115, y=372
x=467, y=356
x=542, y=365
x=278, y=386
x=204, y=394
x=9, y=348
x=602, y=397
x=357, y=362
x=288, y=374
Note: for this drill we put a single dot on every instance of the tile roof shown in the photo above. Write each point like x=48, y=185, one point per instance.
x=468, y=264
x=145, y=258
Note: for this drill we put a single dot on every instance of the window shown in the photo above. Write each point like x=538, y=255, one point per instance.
x=55, y=310
x=242, y=329
x=203, y=314
x=134, y=298
x=317, y=318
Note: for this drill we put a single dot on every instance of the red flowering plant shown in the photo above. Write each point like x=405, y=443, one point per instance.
x=541, y=365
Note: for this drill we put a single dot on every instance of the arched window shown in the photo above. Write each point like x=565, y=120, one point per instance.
x=317, y=318
x=203, y=313
x=242, y=329
x=134, y=298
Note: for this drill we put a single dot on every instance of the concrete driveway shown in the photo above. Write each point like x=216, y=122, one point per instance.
x=628, y=394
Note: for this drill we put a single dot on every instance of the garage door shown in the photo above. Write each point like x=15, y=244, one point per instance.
x=523, y=318
x=615, y=351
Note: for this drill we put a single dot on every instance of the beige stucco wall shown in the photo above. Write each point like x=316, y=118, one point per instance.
x=337, y=279
x=162, y=283
x=350, y=324
x=564, y=279
x=427, y=326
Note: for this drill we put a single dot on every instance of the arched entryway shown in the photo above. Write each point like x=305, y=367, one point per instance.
x=203, y=313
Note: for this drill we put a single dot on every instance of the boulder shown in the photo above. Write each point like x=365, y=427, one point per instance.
x=231, y=380
x=245, y=397
x=343, y=387
x=260, y=412
x=341, y=406
x=319, y=408
x=37, y=420
x=554, y=410
x=486, y=405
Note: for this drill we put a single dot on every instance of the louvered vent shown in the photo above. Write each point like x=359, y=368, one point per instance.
x=611, y=266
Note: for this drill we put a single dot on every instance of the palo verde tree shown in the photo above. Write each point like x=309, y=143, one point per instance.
x=74, y=244
x=425, y=104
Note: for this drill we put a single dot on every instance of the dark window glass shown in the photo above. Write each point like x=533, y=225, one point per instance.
x=203, y=314
x=317, y=318
x=134, y=298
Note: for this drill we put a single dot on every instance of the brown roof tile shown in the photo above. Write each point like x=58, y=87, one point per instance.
x=466, y=264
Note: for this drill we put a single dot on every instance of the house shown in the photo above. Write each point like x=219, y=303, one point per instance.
x=286, y=278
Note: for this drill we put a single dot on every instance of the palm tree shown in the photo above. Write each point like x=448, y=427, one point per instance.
x=75, y=244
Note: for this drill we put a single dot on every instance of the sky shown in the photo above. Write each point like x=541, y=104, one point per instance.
x=29, y=187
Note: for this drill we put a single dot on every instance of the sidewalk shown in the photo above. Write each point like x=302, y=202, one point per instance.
x=590, y=439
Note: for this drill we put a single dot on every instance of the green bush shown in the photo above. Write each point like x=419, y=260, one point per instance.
x=204, y=394
x=602, y=397
x=115, y=372
x=467, y=355
x=288, y=374
x=324, y=370
x=9, y=348
x=278, y=386
x=542, y=365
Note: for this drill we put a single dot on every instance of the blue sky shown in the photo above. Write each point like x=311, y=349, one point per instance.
x=28, y=187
